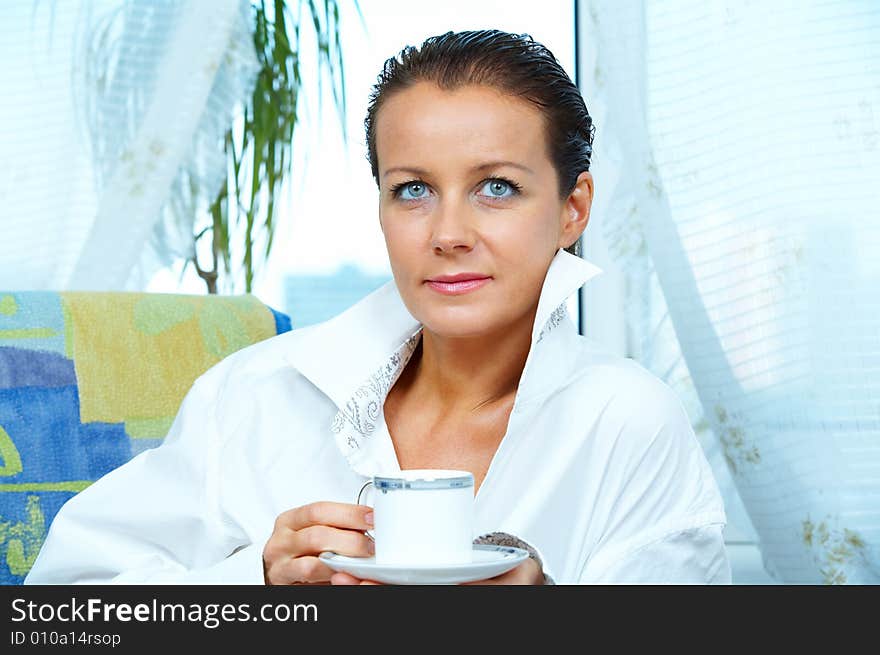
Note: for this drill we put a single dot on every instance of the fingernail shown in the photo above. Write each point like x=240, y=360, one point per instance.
x=371, y=548
x=368, y=517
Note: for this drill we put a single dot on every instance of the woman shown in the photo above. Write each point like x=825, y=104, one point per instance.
x=480, y=146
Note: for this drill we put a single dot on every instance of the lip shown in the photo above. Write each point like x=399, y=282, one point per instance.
x=464, y=284
x=459, y=277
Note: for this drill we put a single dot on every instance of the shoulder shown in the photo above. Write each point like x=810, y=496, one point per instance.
x=644, y=438
x=251, y=396
x=632, y=395
x=635, y=422
x=249, y=372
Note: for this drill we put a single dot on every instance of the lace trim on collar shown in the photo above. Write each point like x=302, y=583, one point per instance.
x=555, y=319
x=357, y=420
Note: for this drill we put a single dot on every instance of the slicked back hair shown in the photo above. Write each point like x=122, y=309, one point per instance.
x=514, y=64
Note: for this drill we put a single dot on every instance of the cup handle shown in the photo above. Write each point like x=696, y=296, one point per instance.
x=360, y=494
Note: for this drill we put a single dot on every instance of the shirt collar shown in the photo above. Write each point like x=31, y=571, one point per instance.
x=356, y=357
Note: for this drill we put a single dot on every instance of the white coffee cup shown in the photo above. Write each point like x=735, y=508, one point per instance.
x=422, y=517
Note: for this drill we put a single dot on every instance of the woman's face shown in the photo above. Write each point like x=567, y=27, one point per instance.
x=466, y=186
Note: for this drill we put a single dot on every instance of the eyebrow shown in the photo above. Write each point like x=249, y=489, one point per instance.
x=479, y=167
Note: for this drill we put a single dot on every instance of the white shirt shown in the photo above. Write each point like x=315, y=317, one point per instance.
x=599, y=469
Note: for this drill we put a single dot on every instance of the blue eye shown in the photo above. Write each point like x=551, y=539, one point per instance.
x=418, y=188
x=497, y=187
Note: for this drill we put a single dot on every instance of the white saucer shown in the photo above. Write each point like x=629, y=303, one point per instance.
x=488, y=562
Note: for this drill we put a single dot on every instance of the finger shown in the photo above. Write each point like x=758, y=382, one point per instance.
x=340, y=515
x=519, y=575
x=488, y=581
x=340, y=578
x=504, y=578
x=320, y=538
x=299, y=570
x=286, y=543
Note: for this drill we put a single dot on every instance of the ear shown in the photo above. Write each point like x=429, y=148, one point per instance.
x=379, y=206
x=576, y=210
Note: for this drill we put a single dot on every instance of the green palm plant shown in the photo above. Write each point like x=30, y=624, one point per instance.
x=238, y=220
x=260, y=154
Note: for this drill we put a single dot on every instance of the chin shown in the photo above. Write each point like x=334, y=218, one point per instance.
x=459, y=322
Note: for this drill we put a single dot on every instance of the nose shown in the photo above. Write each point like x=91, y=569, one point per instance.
x=451, y=228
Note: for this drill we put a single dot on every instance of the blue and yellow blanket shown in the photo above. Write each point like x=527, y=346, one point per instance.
x=88, y=380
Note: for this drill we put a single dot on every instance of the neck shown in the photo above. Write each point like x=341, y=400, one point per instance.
x=461, y=375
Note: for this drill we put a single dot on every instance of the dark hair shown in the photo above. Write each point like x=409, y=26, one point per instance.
x=512, y=63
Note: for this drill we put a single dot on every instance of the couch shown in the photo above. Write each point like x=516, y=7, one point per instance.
x=90, y=379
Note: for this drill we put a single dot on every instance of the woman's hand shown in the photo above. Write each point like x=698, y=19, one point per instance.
x=527, y=573
x=301, y=534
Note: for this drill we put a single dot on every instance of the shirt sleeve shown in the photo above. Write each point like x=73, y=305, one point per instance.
x=155, y=519
x=507, y=539
x=666, y=518
x=690, y=556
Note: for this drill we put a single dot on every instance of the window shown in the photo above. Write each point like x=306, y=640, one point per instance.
x=329, y=251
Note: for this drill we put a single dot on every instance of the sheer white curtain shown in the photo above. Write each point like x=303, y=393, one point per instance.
x=744, y=142
x=112, y=129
